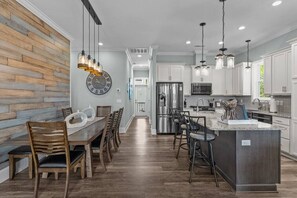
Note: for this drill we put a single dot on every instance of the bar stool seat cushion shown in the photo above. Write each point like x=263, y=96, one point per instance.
x=200, y=136
x=59, y=161
x=176, y=120
x=22, y=150
x=183, y=126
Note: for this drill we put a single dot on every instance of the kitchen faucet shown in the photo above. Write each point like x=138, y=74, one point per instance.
x=200, y=99
x=260, y=105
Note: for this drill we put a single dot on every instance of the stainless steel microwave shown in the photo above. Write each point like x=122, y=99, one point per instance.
x=201, y=88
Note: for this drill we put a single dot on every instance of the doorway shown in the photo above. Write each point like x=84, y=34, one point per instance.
x=141, y=100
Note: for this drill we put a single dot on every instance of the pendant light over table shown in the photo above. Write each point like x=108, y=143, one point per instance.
x=82, y=57
x=248, y=66
x=220, y=58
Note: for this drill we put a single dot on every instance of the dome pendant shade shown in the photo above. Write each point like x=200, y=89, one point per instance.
x=82, y=60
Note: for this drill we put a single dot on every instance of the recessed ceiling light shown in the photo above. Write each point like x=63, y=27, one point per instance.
x=139, y=55
x=241, y=28
x=188, y=42
x=100, y=44
x=276, y=3
x=221, y=43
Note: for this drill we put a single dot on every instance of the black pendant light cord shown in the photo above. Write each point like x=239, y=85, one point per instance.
x=248, y=54
x=94, y=42
x=223, y=18
x=98, y=43
x=202, y=43
x=83, y=23
x=89, y=35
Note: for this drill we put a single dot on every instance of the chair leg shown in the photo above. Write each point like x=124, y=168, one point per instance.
x=210, y=158
x=180, y=141
x=30, y=166
x=101, y=158
x=213, y=164
x=115, y=144
x=37, y=180
x=174, y=140
x=119, y=138
x=11, y=167
x=108, y=151
x=193, y=162
x=56, y=175
x=83, y=167
x=67, y=184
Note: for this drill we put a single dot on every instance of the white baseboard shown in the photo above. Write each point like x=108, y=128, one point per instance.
x=20, y=166
x=153, y=131
x=124, y=129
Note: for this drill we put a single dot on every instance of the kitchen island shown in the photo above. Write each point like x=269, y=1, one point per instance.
x=246, y=156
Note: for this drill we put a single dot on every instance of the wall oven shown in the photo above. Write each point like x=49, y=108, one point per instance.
x=201, y=89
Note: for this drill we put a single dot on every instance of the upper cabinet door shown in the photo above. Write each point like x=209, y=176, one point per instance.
x=187, y=80
x=229, y=81
x=196, y=75
x=176, y=73
x=218, y=84
x=267, y=75
x=279, y=73
x=289, y=71
x=163, y=73
x=236, y=81
x=294, y=61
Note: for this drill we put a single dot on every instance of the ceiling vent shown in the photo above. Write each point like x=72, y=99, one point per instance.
x=139, y=51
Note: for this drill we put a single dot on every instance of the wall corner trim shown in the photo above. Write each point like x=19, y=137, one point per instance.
x=153, y=131
x=125, y=129
x=35, y=10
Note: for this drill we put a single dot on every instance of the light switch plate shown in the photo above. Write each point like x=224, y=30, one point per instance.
x=245, y=142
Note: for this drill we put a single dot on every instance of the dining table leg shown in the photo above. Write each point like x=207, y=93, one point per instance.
x=89, y=160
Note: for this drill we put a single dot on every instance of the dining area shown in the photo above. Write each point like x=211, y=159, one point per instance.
x=53, y=148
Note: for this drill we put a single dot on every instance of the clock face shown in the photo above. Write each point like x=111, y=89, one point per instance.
x=99, y=85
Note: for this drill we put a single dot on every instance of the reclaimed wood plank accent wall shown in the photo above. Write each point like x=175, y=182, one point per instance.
x=35, y=76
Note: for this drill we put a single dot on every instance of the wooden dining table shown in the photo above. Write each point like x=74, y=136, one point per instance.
x=77, y=136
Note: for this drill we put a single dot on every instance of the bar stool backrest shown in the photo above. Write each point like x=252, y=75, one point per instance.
x=198, y=124
x=103, y=111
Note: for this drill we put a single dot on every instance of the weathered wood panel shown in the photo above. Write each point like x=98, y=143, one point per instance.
x=34, y=77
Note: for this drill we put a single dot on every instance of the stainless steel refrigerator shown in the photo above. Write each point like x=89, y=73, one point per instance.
x=169, y=95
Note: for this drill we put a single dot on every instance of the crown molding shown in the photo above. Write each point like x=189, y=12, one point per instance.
x=36, y=11
x=175, y=53
x=129, y=56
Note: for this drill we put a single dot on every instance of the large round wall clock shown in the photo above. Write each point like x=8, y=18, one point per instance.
x=99, y=85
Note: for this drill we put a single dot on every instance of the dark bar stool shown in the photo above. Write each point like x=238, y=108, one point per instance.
x=182, y=131
x=175, y=121
x=199, y=134
x=20, y=153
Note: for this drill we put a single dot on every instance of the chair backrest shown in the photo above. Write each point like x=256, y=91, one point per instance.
x=48, y=138
x=67, y=111
x=107, y=128
x=121, y=110
x=198, y=124
x=181, y=116
x=103, y=111
x=115, y=121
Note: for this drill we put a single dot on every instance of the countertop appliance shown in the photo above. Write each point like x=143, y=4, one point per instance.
x=272, y=105
x=169, y=95
x=201, y=88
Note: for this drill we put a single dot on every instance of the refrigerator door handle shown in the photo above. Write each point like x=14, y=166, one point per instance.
x=163, y=97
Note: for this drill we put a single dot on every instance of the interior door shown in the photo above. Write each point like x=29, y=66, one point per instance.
x=141, y=100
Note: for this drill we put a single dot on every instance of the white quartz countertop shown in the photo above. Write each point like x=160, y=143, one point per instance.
x=213, y=124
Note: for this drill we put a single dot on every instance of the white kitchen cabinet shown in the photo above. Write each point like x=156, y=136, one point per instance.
x=293, y=145
x=289, y=71
x=267, y=75
x=294, y=99
x=294, y=60
x=218, y=83
x=187, y=80
x=241, y=80
x=280, y=67
x=170, y=73
x=201, y=75
x=229, y=81
x=284, y=124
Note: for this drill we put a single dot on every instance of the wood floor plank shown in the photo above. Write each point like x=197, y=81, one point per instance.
x=145, y=166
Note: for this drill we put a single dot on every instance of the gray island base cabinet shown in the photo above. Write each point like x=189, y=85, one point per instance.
x=246, y=156
x=248, y=160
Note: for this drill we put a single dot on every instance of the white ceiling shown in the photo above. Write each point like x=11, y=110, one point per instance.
x=170, y=23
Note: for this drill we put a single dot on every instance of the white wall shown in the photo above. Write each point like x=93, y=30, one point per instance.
x=116, y=64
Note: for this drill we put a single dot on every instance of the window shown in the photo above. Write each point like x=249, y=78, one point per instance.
x=258, y=80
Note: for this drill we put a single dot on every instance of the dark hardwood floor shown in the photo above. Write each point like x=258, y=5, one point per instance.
x=144, y=166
